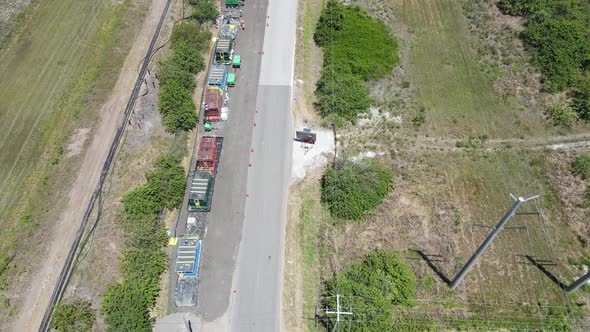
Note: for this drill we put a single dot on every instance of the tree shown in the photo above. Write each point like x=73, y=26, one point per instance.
x=204, y=10
x=172, y=95
x=192, y=33
x=373, y=287
x=142, y=203
x=75, y=316
x=188, y=57
x=169, y=178
x=172, y=71
x=183, y=118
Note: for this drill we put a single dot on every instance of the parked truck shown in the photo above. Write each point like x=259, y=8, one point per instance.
x=213, y=100
x=208, y=153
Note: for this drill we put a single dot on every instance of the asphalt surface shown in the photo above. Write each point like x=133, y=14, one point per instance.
x=241, y=264
x=224, y=221
x=256, y=304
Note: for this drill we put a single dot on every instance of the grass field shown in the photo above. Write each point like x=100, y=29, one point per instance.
x=447, y=78
x=35, y=74
x=56, y=74
x=441, y=193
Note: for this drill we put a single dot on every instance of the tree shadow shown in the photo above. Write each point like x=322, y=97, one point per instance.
x=540, y=264
x=430, y=262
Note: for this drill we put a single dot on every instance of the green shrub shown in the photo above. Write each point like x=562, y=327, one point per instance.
x=581, y=99
x=342, y=31
x=587, y=199
x=560, y=47
x=518, y=7
x=562, y=115
x=172, y=96
x=170, y=180
x=188, y=57
x=419, y=119
x=142, y=203
x=376, y=285
x=355, y=189
x=177, y=79
x=582, y=166
x=126, y=305
x=172, y=71
x=331, y=20
x=372, y=61
x=342, y=94
x=75, y=316
x=185, y=117
x=557, y=35
x=192, y=33
x=204, y=10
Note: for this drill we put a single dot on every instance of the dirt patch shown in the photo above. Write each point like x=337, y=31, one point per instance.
x=77, y=142
x=570, y=190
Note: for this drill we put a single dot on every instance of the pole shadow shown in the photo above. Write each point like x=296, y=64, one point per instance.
x=430, y=263
x=540, y=264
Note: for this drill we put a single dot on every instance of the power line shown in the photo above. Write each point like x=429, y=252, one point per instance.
x=338, y=312
x=486, y=243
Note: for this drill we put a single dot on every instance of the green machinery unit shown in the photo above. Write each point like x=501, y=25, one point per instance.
x=231, y=79
x=200, y=192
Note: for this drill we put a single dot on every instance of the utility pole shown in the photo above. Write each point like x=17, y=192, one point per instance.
x=338, y=312
x=578, y=283
x=486, y=243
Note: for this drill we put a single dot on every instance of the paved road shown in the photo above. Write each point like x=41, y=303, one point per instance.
x=224, y=222
x=254, y=225
x=256, y=305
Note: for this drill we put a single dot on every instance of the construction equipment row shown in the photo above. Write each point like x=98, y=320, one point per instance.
x=222, y=75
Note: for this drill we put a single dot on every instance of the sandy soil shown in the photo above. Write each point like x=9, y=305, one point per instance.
x=111, y=114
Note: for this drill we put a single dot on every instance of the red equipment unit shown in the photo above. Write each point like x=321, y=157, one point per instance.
x=207, y=156
x=213, y=98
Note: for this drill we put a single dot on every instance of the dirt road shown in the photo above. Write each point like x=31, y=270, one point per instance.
x=111, y=114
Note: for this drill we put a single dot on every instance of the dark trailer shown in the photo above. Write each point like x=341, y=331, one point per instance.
x=199, y=198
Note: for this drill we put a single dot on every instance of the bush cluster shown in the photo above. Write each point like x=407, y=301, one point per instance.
x=204, y=10
x=582, y=166
x=376, y=285
x=557, y=35
x=177, y=75
x=75, y=316
x=356, y=49
x=355, y=189
x=562, y=114
x=126, y=304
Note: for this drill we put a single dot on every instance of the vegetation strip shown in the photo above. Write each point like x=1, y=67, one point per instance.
x=127, y=305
